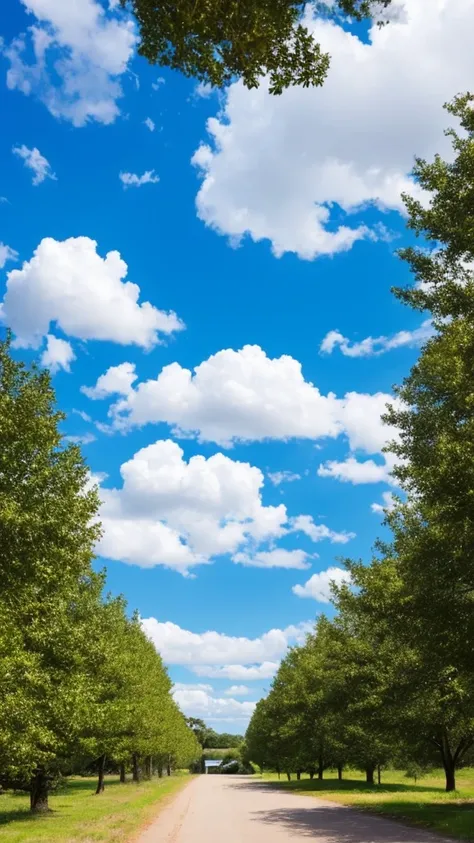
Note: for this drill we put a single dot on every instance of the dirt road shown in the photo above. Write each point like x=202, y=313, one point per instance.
x=231, y=809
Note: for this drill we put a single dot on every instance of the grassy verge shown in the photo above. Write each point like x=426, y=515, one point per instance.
x=78, y=816
x=423, y=803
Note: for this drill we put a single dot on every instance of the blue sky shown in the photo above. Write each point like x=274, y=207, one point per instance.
x=274, y=222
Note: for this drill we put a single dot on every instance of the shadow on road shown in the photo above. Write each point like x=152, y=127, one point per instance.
x=341, y=825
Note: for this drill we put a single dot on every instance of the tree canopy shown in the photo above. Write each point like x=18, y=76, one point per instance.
x=216, y=41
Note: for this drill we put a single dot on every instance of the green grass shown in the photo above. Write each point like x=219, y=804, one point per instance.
x=78, y=816
x=424, y=803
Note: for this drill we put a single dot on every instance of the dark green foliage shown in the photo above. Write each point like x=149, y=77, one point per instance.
x=218, y=40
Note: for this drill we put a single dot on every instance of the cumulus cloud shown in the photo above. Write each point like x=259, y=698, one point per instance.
x=318, y=587
x=279, y=477
x=181, y=514
x=254, y=673
x=245, y=396
x=133, y=180
x=117, y=380
x=295, y=169
x=196, y=702
x=237, y=691
x=69, y=283
x=7, y=254
x=374, y=346
x=58, y=354
x=276, y=558
x=72, y=58
x=386, y=506
x=353, y=471
x=36, y=162
x=216, y=655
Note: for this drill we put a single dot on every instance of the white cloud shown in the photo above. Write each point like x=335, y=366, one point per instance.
x=254, y=673
x=132, y=180
x=279, y=477
x=374, y=346
x=237, y=691
x=282, y=168
x=353, y=471
x=187, y=686
x=179, y=514
x=149, y=124
x=318, y=586
x=117, y=380
x=36, y=162
x=79, y=52
x=203, y=90
x=158, y=84
x=386, y=505
x=84, y=416
x=244, y=396
x=7, y=254
x=318, y=532
x=201, y=651
x=69, y=283
x=276, y=558
x=85, y=439
x=58, y=354
x=196, y=702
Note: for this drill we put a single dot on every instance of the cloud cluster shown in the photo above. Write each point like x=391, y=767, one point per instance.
x=202, y=703
x=69, y=283
x=216, y=655
x=293, y=169
x=180, y=513
x=72, y=58
x=245, y=396
x=374, y=346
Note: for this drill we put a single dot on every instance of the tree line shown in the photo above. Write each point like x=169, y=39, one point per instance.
x=390, y=678
x=79, y=680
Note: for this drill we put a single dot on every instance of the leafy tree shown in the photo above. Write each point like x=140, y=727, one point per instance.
x=48, y=526
x=219, y=40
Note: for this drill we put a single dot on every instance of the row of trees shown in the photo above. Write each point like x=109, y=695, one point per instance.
x=79, y=680
x=391, y=678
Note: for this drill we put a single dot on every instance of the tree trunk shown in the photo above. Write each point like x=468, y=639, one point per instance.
x=298, y=775
x=168, y=768
x=369, y=774
x=39, y=788
x=123, y=777
x=311, y=772
x=148, y=767
x=160, y=771
x=449, y=764
x=100, y=781
x=339, y=772
x=320, y=770
x=379, y=774
x=136, y=771
x=288, y=776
